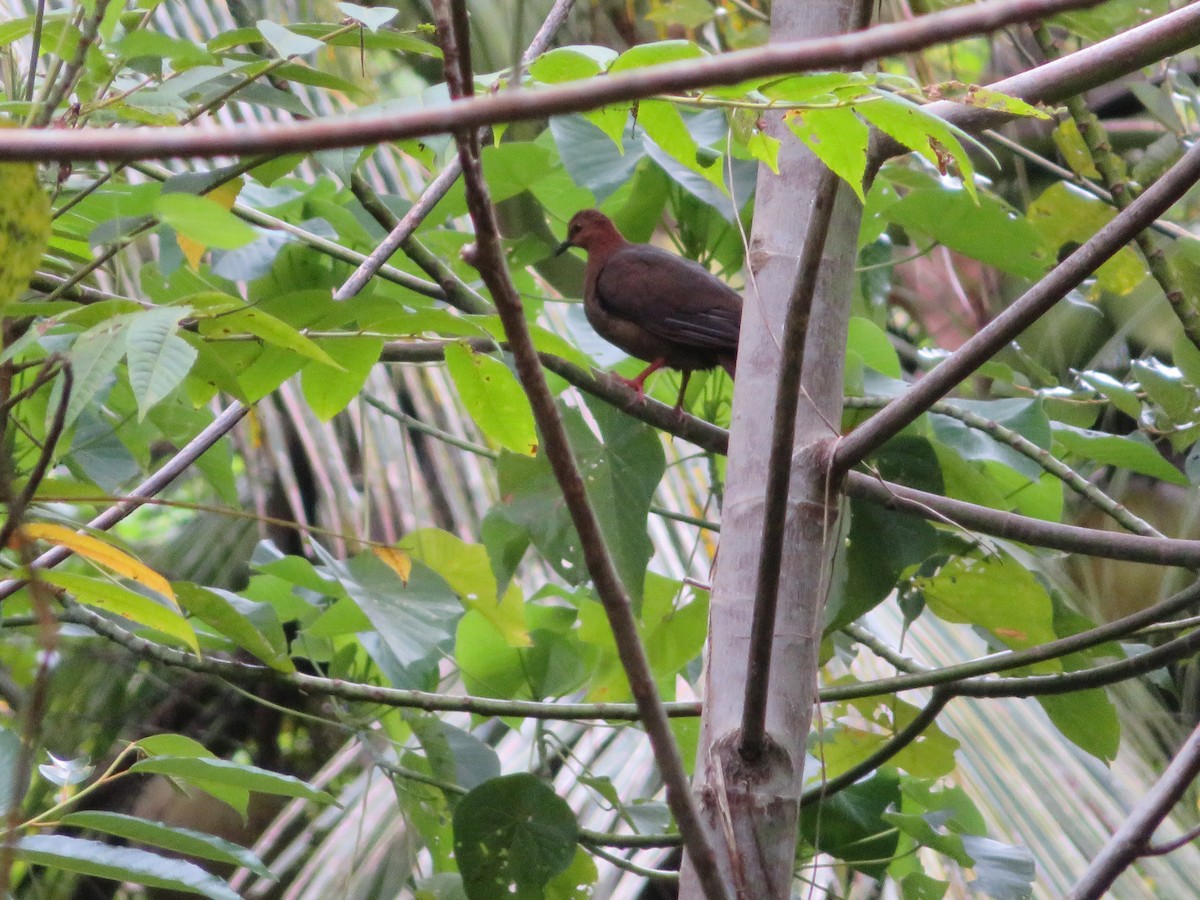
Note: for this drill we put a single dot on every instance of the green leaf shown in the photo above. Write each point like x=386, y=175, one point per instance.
x=849, y=825
x=184, y=841
x=881, y=546
x=494, y=398
x=252, y=626
x=490, y=665
x=1088, y=719
x=983, y=228
x=183, y=53
x=1065, y=216
x=271, y=330
x=120, y=864
x=1120, y=395
x=839, y=139
x=665, y=126
x=1073, y=149
x=967, y=590
x=511, y=833
x=1025, y=417
x=327, y=391
x=93, y=357
x=872, y=344
x=415, y=618
x=24, y=228
x=1131, y=452
x=621, y=472
x=656, y=53
x=159, y=359
x=918, y=130
x=286, y=42
x=202, y=771
x=1001, y=870
x=468, y=571
x=104, y=594
x=570, y=64
x=513, y=167
x=204, y=221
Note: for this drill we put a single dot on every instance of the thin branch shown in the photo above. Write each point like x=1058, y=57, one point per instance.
x=1133, y=835
x=56, y=89
x=510, y=106
x=898, y=742
x=885, y=652
x=19, y=505
x=1162, y=226
x=426, y=701
x=332, y=249
x=1027, y=448
x=1160, y=551
x=1014, y=659
x=1167, y=847
x=455, y=291
x=779, y=472
x=960, y=364
x=168, y=472
x=450, y=16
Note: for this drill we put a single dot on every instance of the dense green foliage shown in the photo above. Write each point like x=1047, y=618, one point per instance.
x=289, y=628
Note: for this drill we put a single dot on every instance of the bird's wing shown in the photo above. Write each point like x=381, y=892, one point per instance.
x=671, y=297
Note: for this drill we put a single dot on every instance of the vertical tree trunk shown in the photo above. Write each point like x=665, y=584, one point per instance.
x=752, y=808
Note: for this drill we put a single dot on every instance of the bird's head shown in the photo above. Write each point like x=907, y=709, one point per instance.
x=590, y=229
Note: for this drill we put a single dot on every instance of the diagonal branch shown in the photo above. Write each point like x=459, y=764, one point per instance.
x=1123, y=228
x=172, y=469
x=489, y=256
x=1132, y=838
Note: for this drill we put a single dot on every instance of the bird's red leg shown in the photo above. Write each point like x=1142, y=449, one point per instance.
x=639, y=383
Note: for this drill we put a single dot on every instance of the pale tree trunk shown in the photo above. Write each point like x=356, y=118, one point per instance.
x=752, y=807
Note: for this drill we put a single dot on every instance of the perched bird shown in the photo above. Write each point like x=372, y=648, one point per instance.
x=661, y=308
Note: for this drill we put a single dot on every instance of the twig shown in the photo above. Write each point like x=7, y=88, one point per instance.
x=59, y=88
x=1123, y=191
x=999, y=523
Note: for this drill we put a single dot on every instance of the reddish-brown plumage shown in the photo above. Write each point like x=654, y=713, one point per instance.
x=661, y=308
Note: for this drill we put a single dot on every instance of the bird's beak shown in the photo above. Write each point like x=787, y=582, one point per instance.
x=563, y=248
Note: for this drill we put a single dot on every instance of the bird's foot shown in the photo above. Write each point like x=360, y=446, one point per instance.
x=635, y=384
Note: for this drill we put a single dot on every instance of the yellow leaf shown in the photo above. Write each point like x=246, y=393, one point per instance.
x=102, y=554
x=224, y=196
x=24, y=227
x=396, y=560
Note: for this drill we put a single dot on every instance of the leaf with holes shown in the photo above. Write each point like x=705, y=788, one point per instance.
x=511, y=833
